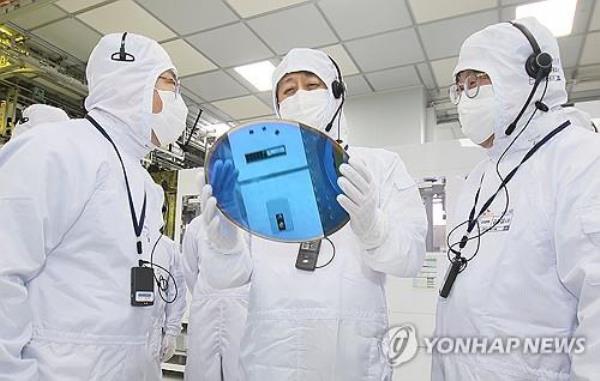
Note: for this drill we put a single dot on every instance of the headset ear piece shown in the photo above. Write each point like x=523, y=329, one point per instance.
x=337, y=88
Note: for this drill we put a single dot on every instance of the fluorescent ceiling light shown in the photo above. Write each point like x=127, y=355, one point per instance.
x=467, y=143
x=258, y=74
x=556, y=15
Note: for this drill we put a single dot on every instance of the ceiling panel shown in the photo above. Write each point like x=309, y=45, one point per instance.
x=191, y=97
x=589, y=72
x=429, y=10
x=570, y=47
x=125, y=15
x=442, y=70
x=591, y=52
x=394, y=78
x=350, y=21
x=249, y=8
x=38, y=17
x=232, y=45
x=243, y=107
x=426, y=75
x=341, y=57
x=357, y=85
x=266, y=97
x=189, y=16
x=302, y=26
x=76, y=5
x=214, y=85
x=60, y=34
x=374, y=53
x=444, y=38
x=595, y=23
x=187, y=59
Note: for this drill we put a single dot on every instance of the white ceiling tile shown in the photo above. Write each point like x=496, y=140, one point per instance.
x=243, y=107
x=442, y=70
x=189, y=16
x=394, y=78
x=341, y=57
x=444, y=38
x=507, y=14
x=591, y=53
x=429, y=10
x=294, y=28
x=350, y=21
x=266, y=97
x=60, y=34
x=386, y=50
x=587, y=72
x=356, y=85
x=187, y=59
x=218, y=113
x=192, y=98
x=570, y=47
x=587, y=86
x=426, y=75
x=126, y=16
x=231, y=45
x=595, y=23
x=249, y=8
x=214, y=85
x=76, y=5
x=38, y=17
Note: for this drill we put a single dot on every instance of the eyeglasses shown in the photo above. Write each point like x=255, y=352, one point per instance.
x=469, y=85
x=172, y=82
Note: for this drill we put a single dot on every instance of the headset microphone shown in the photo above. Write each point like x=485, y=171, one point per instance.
x=339, y=91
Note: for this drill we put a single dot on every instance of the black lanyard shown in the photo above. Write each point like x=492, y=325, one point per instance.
x=459, y=263
x=472, y=218
x=137, y=225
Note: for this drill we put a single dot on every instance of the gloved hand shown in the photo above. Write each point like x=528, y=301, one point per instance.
x=223, y=178
x=222, y=235
x=360, y=200
x=167, y=347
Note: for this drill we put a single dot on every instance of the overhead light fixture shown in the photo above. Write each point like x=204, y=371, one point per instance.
x=556, y=15
x=258, y=74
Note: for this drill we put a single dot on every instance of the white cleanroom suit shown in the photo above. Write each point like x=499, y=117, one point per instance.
x=537, y=273
x=327, y=324
x=68, y=244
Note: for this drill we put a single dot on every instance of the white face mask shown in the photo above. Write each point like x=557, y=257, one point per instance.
x=478, y=115
x=170, y=122
x=312, y=108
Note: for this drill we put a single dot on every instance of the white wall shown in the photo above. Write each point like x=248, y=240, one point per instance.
x=383, y=119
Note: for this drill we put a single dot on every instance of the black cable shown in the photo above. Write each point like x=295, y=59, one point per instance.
x=162, y=288
x=332, y=255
